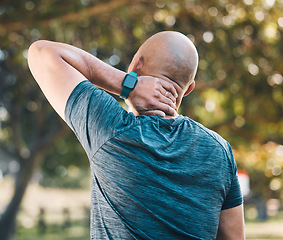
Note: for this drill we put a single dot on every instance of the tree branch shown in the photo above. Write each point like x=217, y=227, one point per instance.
x=69, y=17
x=98, y=9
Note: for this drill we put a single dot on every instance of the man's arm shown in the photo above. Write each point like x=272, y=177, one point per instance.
x=231, y=224
x=59, y=68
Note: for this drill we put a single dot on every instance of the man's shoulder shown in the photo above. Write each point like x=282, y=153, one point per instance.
x=209, y=134
x=95, y=116
x=182, y=126
x=92, y=99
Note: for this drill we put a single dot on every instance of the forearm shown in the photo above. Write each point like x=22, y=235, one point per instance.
x=58, y=68
x=93, y=69
x=232, y=224
x=107, y=77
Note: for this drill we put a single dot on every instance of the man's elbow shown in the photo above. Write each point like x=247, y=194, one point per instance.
x=36, y=49
x=34, y=57
x=40, y=56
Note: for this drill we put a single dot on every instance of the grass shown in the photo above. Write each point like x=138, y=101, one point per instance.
x=55, y=200
x=54, y=232
x=268, y=230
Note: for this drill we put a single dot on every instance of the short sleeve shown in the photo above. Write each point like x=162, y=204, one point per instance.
x=234, y=197
x=95, y=116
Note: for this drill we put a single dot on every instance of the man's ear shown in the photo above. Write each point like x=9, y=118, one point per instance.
x=138, y=65
x=190, y=88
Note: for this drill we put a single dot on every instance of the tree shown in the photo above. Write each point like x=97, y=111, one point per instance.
x=239, y=82
x=29, y=127
x=25, y=137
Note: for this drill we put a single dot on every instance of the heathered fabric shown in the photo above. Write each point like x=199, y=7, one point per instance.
x=152, y=178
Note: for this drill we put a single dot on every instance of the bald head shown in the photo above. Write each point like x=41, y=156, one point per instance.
x=170, y=54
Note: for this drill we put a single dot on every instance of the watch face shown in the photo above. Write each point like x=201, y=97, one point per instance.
x=130, y=81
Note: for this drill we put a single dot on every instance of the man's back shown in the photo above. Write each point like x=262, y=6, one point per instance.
x=145, y=185
x=152, y=178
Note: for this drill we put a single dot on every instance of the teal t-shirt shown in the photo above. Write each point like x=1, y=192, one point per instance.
x=152, y=178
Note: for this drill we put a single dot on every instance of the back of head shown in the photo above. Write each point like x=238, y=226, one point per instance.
x=172, y=55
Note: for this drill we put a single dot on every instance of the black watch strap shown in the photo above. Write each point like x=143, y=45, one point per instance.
x=128, y=84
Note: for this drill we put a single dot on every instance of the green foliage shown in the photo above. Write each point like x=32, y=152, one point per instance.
x=65, y=165
x=270, y=229
x=239, y=82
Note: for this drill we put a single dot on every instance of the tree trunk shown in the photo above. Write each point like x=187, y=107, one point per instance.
x=8, y=219
x=23, y=177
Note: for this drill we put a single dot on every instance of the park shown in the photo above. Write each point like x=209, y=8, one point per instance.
x=238, y=94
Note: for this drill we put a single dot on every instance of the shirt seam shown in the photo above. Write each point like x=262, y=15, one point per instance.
x=114, y=135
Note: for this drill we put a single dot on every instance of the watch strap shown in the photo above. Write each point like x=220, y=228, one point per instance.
x=125, y=90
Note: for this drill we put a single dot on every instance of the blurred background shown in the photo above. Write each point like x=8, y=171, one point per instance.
x=44, y=173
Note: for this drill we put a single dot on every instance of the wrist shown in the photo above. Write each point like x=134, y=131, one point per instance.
x=128, y=85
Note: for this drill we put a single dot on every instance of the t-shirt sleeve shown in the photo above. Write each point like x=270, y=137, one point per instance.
x=95, y=116
x=234, y=197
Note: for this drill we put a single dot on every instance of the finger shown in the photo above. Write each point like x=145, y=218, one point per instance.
x=166, y=94
x=168, y=101
x=155, y=113
x=170, y=96
x=169, y=87
x=167, y=109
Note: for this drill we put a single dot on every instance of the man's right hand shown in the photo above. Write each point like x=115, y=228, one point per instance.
x=153, y=96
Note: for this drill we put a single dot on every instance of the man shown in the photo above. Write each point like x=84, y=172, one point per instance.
x=155, y=174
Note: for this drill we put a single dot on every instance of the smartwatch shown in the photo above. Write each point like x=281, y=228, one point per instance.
x=128, y=84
